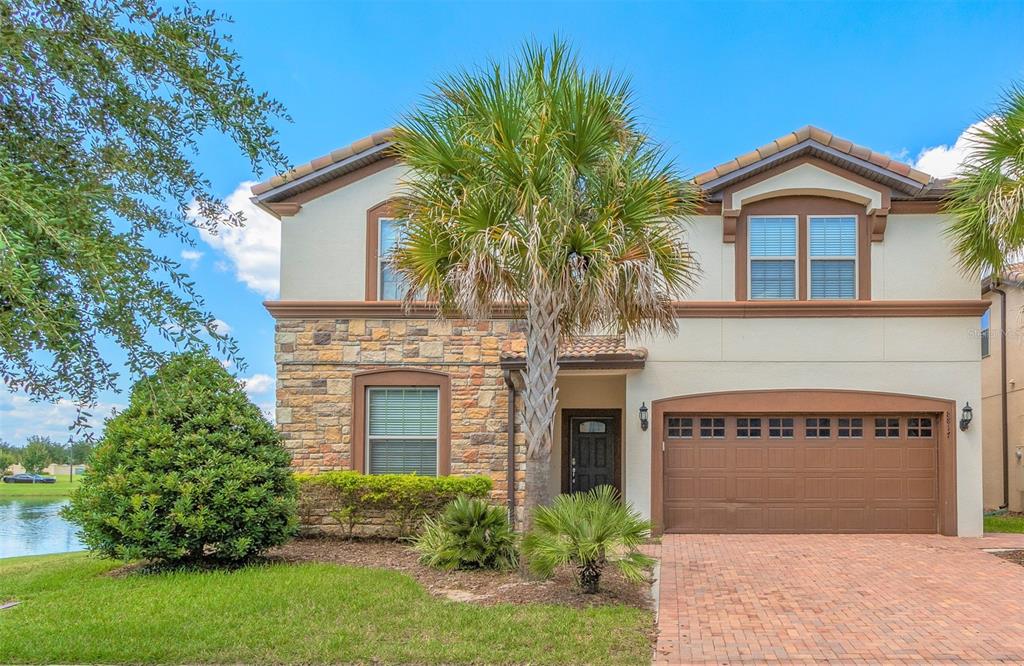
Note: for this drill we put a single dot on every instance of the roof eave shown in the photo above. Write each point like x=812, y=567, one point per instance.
x=605, y=362
x=714, y=186
x=329, y=172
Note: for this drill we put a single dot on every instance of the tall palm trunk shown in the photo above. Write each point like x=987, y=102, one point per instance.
x=540, y=396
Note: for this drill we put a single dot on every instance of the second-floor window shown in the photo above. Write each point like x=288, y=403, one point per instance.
x=390, y=286
x=833, y=260
x=772, y=257
x=986, y=320
x=792, y=256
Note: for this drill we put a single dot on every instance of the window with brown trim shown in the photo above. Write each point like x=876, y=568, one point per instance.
x=382, y=233
x=803, y=248
x=401, y=422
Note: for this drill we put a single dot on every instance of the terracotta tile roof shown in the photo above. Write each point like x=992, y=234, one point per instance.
x=362, y=145
x=1014, y=272
x=589, y=348
x=809, y=132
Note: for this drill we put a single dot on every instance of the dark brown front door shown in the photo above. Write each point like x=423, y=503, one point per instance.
x=592, y=451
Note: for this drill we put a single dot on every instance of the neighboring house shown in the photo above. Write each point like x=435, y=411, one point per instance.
x=815, y=384
x=1002, y=381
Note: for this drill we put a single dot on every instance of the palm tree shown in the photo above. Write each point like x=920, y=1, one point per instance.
x=588, y=531
x=987, y=200
x=532, y=184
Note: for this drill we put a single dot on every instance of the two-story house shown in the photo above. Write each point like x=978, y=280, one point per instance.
x=816, y=383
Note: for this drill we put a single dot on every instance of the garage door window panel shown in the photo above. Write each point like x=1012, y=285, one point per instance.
x=679, y=427
x=781, y=428
x=712, y=427
x=887, y=427
x=851, y=428
x=818, y=428
x=748, y=428
x=919, y=426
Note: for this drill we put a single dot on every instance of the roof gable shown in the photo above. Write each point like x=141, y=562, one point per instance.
x=815, y=142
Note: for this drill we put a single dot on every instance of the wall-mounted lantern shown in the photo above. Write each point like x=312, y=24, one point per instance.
x=643, y=416
x=966, y=415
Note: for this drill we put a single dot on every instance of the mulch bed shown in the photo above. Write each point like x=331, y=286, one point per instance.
x=480, y=587
x=1015, y=556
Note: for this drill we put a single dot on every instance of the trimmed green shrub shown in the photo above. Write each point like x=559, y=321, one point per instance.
x=190, y=470
x=469, y=534
x=588, y=531
x=403, y=499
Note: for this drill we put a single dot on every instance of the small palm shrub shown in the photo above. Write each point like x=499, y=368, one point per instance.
x=588, y=531
x=469, y=534
x=190, y=471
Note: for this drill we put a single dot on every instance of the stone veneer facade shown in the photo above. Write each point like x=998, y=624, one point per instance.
x=317, y=358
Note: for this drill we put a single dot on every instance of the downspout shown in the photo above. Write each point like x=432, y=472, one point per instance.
x=1003, y=395
x=511, y=478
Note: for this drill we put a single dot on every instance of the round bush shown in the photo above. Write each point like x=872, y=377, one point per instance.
x=191, y=470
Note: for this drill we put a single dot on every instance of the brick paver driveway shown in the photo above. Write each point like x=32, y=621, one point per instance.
x=838, y=599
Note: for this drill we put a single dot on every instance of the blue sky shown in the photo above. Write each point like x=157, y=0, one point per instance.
x=713, y=80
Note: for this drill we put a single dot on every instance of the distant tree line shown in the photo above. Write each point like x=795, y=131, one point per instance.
x=39, y=452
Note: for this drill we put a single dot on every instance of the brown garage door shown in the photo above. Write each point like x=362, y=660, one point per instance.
x=800, y=473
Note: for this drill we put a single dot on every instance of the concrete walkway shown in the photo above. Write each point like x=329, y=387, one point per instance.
x=843, y=599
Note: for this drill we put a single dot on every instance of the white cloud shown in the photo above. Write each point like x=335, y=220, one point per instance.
x=257, y=384
x=227, y=363
x=221, y=327
x=253, y=249
x=268, y=409
x=20, y=418
x=944, y=161
x=192, y=257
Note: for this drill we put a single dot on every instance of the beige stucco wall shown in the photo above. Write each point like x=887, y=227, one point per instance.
x=934, y=357
x=583, y=390
x=323, y=258
x=323, y=254
x=323, y=247
x=915, y=262
x=990, y=386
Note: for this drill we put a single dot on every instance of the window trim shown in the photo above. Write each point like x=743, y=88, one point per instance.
x=803, y=206
x=388, y=377
x=380, y=258
x=795, y=257
x=384, y=210
x=855, y=257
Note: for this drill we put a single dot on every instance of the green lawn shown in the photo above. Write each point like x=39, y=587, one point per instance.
x=309, y=613
x=1004, y=523
x=62, y=488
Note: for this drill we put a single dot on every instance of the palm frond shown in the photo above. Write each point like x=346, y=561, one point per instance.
x=987, y=200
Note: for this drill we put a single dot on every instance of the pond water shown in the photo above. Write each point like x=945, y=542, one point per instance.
x=33, y=526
